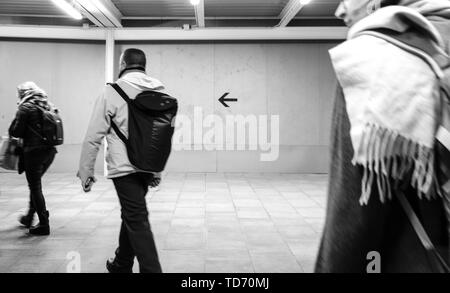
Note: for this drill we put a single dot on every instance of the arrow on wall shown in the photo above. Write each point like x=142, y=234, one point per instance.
x=223, y=100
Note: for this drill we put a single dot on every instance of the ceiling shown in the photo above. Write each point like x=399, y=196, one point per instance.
x=174, y=13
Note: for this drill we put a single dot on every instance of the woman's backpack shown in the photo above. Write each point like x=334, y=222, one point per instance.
x=51, y=129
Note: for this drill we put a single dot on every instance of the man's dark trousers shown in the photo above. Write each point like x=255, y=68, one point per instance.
x=136, y=237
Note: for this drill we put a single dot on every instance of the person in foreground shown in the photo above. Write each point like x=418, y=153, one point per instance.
x=382, y=139
x=136, y=238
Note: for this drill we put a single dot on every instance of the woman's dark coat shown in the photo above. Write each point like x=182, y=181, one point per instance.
x=352, y=231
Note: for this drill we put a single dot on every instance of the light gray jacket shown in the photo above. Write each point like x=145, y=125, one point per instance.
x=111, y=104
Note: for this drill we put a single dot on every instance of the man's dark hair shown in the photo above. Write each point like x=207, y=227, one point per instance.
x=134, y=58
x=385, y=3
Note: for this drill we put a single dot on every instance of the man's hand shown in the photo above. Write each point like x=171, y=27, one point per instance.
x=86, y=183
x=155, y=182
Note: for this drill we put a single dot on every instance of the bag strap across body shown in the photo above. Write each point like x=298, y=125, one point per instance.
x=127, y=99
x=33, y=130
x=437, y=261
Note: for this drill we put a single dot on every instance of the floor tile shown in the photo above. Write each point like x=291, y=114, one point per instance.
x=201, y=222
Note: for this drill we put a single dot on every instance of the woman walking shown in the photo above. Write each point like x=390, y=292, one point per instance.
x=37, y=155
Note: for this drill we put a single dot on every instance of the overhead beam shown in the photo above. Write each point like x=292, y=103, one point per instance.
x=219, y=17
x=172, y=17
x=51, y=32
x=232, y=34
x=159, y=34
x=289, y=12
x=200, y=13
x=111, y=12
x=103, y=13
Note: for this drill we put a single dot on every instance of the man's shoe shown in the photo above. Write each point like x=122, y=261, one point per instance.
x=114, y=268
x=40, y=230
x=26, y=221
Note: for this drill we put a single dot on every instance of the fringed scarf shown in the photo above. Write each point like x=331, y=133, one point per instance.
x=391, y=97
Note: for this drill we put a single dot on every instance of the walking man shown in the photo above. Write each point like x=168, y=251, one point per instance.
x=110, y=116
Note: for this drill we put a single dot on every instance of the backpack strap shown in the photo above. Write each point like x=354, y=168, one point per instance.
x=438, y=263
x=41, y=109
x=120, y=91
x=114, y=126
x=37, y=133
x=118, y=132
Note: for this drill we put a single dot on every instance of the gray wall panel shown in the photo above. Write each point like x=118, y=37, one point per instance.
x=292, y=80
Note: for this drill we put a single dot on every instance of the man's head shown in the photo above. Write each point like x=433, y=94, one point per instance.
x=132, y=58
x=352, y=11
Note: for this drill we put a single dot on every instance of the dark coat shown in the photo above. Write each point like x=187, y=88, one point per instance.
x=352, y=231
x=27, y=125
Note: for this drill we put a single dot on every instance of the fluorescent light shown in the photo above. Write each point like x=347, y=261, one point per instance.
x=67, y=8
x=87, y=4
x=195, y=2
x=305, y=2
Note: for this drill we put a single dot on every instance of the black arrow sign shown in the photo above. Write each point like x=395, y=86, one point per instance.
x=223, y=100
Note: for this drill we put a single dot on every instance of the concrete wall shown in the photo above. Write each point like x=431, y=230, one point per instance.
x=72, y=74
x=292, y=80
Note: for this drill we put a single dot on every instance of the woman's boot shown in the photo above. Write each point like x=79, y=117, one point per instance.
x=43, y=228
x=27, y=220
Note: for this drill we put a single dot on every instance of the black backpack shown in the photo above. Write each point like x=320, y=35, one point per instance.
x=51, y=128
x=150, y=128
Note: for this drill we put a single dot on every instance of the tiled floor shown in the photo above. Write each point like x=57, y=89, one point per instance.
x=235, y=223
